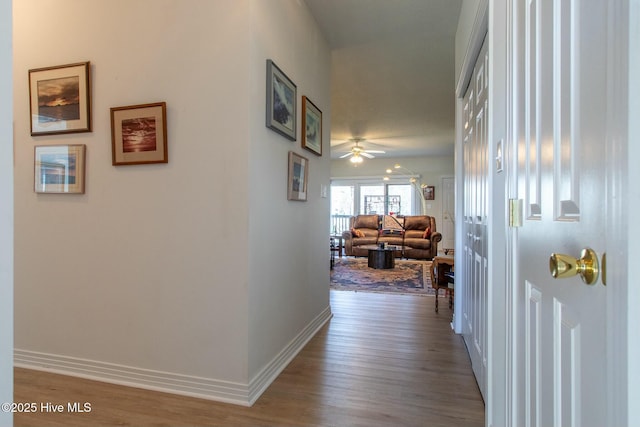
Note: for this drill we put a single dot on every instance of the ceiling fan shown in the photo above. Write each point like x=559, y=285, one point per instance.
x=357, y=152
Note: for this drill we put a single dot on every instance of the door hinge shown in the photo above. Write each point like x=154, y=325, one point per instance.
x=515, y=213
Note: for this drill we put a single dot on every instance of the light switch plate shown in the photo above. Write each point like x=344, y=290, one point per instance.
x=323, y=191
x=499, y=156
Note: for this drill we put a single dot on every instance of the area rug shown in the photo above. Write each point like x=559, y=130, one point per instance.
x=408, y=277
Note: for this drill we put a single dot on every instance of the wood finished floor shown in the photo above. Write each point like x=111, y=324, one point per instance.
x=382, y=360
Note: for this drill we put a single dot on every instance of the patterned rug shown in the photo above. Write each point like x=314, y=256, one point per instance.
x=408, y=277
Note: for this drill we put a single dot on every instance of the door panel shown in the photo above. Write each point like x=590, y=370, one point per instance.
x=533, y=320
x=566, y=368
x=476, y=160
x=531, y=122
x=560, y=125
x=566, y=117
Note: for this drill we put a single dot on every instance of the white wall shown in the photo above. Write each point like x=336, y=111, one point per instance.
x=153, y=268
x=430, y=168
x=469, y=13
x=289, y=276
x=633, y=204
x=6, y=213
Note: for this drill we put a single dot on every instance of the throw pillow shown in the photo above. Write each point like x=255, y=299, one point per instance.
x=357, y=233
x=392, y=223
x=427, y=233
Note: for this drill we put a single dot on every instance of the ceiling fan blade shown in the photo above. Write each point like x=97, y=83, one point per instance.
x=373, y=144
x=374, y=151
x=367, y=155
x=346, y=155
x=341, y=146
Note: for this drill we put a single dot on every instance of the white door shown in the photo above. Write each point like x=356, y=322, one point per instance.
x=560, y=86
x=447, y=229
x=473, y=282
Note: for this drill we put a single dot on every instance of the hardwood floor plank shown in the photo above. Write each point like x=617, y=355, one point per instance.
x=382, y=360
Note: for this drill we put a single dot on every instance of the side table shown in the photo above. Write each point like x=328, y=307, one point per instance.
x=337, y=243
x=441, y=278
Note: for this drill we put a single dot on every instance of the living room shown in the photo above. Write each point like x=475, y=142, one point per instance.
x=414, y=172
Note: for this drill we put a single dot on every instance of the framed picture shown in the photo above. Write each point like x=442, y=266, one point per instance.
x=60, y=99
x=429, y=192
x=311, y=126
x=298, y=175
x=59, y=168
x=139, y=134
x=281, y=102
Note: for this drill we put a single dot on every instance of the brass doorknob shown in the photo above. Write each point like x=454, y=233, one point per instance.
x=562, y=266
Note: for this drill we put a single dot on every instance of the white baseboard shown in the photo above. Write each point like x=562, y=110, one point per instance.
x=167, y=382
x=203, y=388
x=269, y=373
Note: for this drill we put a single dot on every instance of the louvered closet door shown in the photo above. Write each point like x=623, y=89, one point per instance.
x=476, y=168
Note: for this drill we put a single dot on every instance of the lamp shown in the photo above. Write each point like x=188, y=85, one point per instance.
x=356, y=159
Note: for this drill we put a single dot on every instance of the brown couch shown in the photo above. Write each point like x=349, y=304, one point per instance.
x=410, y=232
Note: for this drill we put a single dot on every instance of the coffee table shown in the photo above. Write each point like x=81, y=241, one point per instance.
x=382, y=258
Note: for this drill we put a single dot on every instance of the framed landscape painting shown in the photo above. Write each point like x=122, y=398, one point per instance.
x=60, y=99
x=59, y=168
x=311, y=126
x=139, y=134
x=281, y=102
x=298, y=176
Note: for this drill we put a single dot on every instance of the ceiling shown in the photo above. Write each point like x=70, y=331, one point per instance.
x=392, y=74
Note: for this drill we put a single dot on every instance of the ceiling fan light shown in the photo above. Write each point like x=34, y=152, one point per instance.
x=355, y=159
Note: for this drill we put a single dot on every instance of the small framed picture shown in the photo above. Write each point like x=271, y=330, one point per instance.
x=298, y=175
x=281, y=102
x=59, y=168
x=311, y=126
x=139, y=134
x=60, y=99
x=429, y=192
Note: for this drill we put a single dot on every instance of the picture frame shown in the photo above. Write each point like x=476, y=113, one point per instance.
x=60, y=99
x=311, y=127
x=297, y=177
x=59, y=168
x=281, y=102
x=139, y=134
x=429, y=192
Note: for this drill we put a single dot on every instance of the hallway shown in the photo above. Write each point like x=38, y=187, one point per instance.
x=382, y=360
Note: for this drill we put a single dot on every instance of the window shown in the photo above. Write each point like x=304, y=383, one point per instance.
x=342, y=207
x=400, y=199
x=372, y=199
x=349, y=197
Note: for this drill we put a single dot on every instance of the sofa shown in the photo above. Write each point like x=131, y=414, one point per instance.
x=415, y=233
